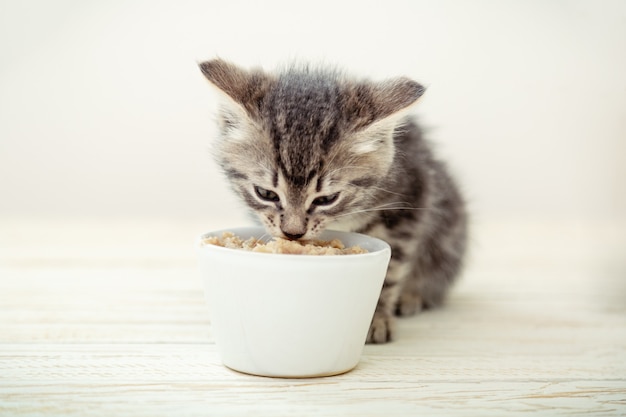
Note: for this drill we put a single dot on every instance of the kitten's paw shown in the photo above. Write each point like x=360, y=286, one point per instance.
x=409, y=304
x=381, y=329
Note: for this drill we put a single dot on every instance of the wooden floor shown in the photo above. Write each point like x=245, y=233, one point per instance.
x=107, y=318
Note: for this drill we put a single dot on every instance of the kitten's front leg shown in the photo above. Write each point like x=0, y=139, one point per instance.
x=383, y=323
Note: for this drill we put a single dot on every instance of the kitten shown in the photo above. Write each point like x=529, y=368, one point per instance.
x=308, y=149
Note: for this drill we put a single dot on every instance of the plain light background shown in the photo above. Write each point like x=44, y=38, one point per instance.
x=103, y=111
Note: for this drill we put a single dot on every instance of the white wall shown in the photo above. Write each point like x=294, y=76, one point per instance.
x=103, y=111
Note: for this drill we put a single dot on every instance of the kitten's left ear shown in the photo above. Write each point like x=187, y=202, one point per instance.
x=393, y=96
x=377, y=108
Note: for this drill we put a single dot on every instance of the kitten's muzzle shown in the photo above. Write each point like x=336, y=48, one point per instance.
x=293, y=225
x=292, y=236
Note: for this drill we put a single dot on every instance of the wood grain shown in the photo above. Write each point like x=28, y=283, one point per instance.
x=108, y=326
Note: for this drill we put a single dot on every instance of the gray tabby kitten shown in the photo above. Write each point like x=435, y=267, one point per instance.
x=309, y=148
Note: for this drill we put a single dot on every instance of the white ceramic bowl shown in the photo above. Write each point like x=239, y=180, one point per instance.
x=292, y=316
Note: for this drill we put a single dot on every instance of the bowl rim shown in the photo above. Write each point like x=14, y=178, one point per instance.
x=201, y=245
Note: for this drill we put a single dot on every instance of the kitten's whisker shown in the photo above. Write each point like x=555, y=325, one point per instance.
x=265, y=237
x=387, y=191
x=344, y=183
x=375, y=209
x=393, y=203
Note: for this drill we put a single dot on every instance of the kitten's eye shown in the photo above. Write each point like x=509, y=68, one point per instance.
x=266, y=195
x=325, y=200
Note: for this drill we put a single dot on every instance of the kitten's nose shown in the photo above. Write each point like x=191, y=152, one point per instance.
x=292, y=236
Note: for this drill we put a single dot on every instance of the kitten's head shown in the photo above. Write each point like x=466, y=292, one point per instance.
x=306, y=147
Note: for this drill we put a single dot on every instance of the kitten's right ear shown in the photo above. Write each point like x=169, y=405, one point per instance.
x=245, y=88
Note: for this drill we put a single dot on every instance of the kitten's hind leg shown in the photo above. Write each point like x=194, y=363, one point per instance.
x=436, y=267
x=410, y=300
x=421, y=293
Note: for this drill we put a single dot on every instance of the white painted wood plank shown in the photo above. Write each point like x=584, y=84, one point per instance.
x=22, y=362
x=336, y=398
x=155, y=379
x=109, y=319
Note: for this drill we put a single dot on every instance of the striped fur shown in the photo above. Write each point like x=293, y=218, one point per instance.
x=308, y=149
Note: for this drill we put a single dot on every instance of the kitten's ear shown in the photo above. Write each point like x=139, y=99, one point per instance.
x=245, y=87
x=377, y=110
x=395, y=95
x=374, y=102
